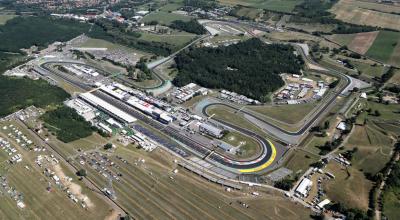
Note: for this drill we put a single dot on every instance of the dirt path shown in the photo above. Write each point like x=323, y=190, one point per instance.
x=75, y=189
x=114, y=215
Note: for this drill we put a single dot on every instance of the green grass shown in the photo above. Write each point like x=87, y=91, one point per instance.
x=248, y=146
x=299, y=161
x=391, y=203
x=388, y=112
x=384, y=45
x=373, y=146
x=369, y=70
x=290, y=114
x=176, y=40
x=343, y=39
x=227, y=115
x=171, y=7
x=250, y=13
x=165, y=18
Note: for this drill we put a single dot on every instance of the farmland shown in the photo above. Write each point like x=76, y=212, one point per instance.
x=379, y=45
x=367, y=13
x=285, y=6
x=384, y=46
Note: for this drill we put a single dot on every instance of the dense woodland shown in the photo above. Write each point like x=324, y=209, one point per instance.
x=191, y=26
x=19, y=93
x=23, y=32
x=66, y=124
x=203, y=4
x=250, y=68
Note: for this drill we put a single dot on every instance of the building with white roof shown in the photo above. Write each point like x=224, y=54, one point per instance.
x=211, y=130
x=304, y=187
x=107, y=107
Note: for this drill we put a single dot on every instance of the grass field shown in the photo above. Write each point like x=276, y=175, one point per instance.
x=165, y=18
x=299, y=161
x=273, y=5
x=391, y=204
x=248, y=146
x=384, y=46
x=94, y=43
x=350, y=187
x=177, y=40
x=396, y=77
x=290, y=114
x=368, y=70
x=388, y=112
x=374, y=149
x=171, y=7
x=250, y=13
x=358, y=12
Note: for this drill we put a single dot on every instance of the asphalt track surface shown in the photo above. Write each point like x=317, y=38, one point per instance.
x=265, y=158
x=268, y=151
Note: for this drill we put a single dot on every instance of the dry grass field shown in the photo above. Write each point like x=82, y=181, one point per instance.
x=366, y=13
x=349, y=187
x=363, y=41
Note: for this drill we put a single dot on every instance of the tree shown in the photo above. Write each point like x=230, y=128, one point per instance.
x=81, y=173
x=108, y=146
x=326, y=124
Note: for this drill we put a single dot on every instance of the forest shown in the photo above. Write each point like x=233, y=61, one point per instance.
x=191, y=26
x=20, y=93
x=23, y=32
x=66, y=124
x=250, y=68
